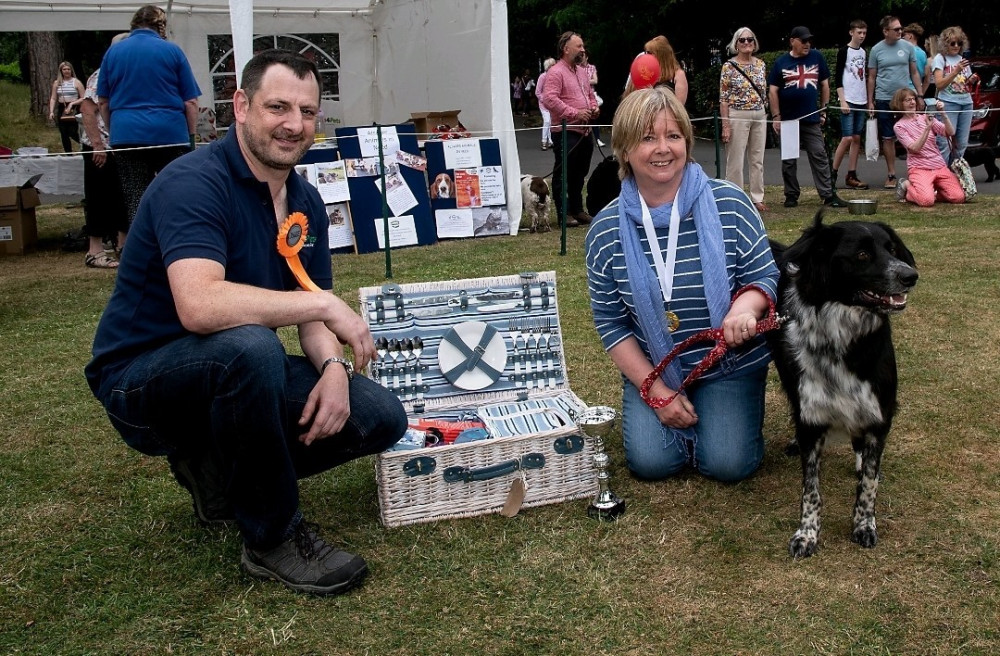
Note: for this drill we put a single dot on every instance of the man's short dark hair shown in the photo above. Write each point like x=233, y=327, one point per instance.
x=887, y=21
x=254, y=71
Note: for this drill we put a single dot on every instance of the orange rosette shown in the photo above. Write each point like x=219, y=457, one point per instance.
x=291, y=239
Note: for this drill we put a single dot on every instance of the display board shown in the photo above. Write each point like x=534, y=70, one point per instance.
x=466, y=189
x=411, y=222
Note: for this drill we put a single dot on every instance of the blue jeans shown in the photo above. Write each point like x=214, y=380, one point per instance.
x=238, y=395
x=730, y=444
x=960, y=114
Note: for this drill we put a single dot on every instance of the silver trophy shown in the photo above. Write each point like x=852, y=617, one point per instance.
x=596, y=422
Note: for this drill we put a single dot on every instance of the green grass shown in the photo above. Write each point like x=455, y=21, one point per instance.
x=100, y=554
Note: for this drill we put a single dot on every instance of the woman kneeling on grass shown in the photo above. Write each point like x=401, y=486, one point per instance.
x=925, y=167
x=664, y=261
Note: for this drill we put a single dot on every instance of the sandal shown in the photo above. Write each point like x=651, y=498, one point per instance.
x=100, y=261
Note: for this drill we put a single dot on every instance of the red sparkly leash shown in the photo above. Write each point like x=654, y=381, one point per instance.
x=771, y=322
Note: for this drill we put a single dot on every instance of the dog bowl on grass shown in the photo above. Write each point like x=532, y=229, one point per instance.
x=862, y=206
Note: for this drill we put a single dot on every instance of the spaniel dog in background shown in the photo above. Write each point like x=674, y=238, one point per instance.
x=839, y=285
x=537, y=199
x=443, y=186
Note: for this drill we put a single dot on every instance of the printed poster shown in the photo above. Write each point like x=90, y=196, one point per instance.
x=331, y=180
x=368, y=140
x=467, y=192
x=398, y=194
x=340, y=233
x=489, y=221
x=491, y=185
x=462, y=154
x=402, y=231
x=454, y=224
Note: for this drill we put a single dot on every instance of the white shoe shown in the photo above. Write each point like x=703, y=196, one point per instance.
x=901, y=188
x=600, y=143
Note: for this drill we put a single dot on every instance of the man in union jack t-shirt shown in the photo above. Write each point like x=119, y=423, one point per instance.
x=799, y=90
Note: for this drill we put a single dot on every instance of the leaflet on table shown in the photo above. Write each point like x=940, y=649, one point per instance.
x=398, y=194
x=340, y=232
x=368, y=140
x=462, y=154
x=402, y=231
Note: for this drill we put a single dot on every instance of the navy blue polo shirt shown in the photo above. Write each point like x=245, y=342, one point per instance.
x=206, y=204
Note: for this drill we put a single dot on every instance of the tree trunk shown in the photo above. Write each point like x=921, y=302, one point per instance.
x=44, y=55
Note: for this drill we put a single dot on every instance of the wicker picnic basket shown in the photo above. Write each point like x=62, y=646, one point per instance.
x=519, y=392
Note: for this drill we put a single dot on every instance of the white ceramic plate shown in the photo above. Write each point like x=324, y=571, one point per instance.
x=450, y=359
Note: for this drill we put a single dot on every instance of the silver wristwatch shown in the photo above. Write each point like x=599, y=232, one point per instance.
x=347, y=366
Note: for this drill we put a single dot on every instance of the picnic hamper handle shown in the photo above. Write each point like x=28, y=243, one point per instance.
x=468, y=475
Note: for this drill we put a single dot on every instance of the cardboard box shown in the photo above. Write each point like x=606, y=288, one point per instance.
x=18, y=228
x=425, y=122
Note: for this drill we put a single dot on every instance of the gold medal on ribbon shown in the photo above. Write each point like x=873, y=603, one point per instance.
x=673, y=321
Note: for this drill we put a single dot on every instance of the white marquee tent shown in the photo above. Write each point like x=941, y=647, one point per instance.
x=395, y=56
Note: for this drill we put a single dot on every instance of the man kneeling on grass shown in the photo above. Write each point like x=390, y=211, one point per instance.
x=187, y=362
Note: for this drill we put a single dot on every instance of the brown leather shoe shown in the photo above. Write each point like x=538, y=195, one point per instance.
x=571, y=222
x=854, y=183
x=761, y=207
x=583, y=218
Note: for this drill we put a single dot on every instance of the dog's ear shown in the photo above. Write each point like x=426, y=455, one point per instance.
x=902, y=252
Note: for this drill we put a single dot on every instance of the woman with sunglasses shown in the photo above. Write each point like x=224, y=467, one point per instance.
x=954, y=79
x=742, y=95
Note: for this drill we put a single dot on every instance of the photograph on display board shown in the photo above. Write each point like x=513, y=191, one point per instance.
x=341, y=231
x=331, y=180
x=307, y=172
x=467, y=192
x=398, y=195
x=363, y=167
x=413, y=161
x=442, y=187
x=487, y=221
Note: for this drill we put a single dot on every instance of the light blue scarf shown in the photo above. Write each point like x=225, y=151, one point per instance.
x=694, y=197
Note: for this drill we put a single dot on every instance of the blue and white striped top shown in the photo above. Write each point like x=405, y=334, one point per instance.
x=748, y=261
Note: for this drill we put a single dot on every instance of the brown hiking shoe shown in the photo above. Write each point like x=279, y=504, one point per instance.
x=583, y=218
x=854, y=183
x=306, y=563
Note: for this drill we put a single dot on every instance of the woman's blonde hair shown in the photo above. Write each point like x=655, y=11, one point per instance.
x=634, y=120
x=72, y=73
x=949, y=34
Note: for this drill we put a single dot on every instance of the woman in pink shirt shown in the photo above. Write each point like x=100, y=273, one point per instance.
x=928, y=174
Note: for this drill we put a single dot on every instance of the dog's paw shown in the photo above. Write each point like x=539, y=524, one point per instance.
x=792, y=448
x=803, y=544
x=545, y=227
x=865, y=535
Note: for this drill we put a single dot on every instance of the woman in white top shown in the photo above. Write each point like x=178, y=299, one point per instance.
x=67, y=92
x=954, y=78
x=546, y=114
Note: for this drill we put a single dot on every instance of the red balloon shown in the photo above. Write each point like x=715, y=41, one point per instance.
x=645, y=71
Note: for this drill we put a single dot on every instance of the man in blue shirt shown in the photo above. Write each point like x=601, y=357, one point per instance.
x=187, y=362
x=799, y=89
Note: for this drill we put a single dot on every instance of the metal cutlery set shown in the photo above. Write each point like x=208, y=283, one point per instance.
x=398, y=366
x=536, y=352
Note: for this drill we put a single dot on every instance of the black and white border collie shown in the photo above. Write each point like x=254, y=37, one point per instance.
x=839, y=285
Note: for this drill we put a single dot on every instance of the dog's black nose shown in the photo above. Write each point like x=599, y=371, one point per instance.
x=908, y=276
